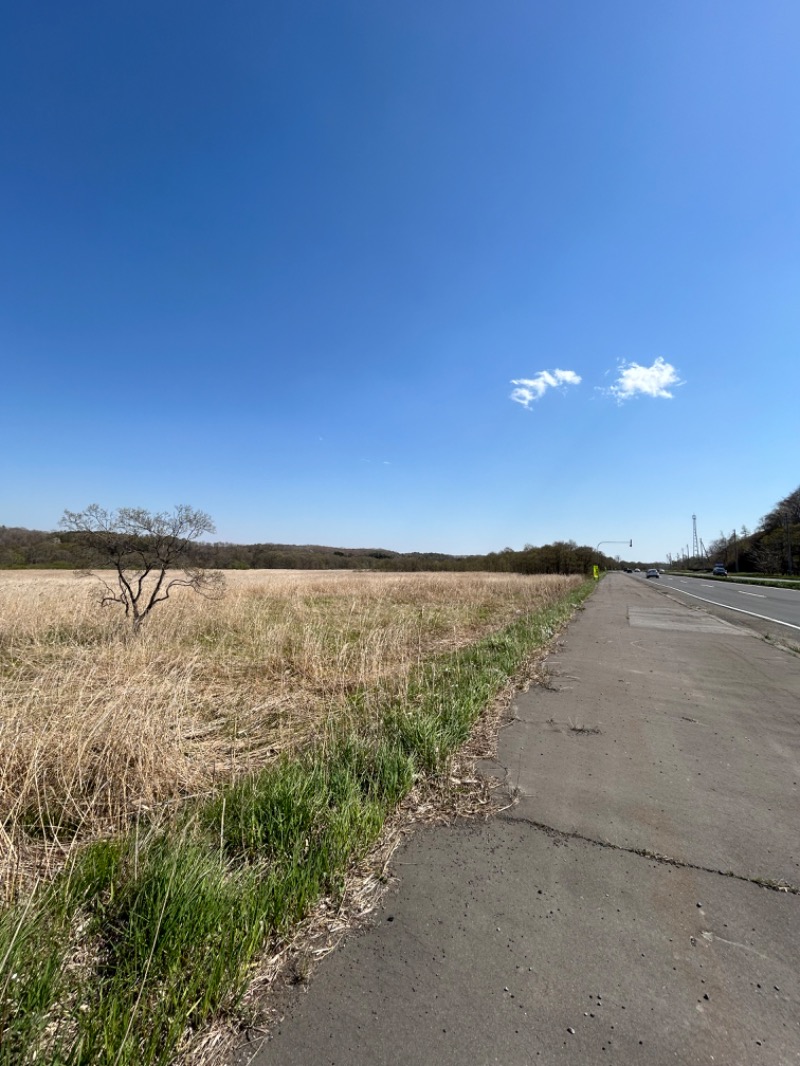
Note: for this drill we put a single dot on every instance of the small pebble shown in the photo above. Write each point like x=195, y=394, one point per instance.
x=570, y=1030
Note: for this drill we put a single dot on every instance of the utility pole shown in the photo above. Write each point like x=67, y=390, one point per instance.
x=695, y=547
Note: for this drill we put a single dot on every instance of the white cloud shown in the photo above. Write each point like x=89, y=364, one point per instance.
x=529, y=389
x=636, y=380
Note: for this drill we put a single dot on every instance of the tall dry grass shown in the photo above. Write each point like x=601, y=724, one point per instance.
x=98, y=728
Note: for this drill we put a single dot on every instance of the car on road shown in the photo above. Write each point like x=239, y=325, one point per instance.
x=719, y=571
x=652, y=572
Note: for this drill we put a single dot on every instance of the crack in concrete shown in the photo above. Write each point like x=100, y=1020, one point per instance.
x=646, y=853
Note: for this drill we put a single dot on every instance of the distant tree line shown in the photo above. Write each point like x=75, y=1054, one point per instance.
x=24, y=548
x=772, y=548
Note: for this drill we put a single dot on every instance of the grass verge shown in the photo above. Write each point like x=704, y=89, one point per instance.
x=767, y=582
x=142, y=940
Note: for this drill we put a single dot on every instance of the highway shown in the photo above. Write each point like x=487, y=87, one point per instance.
x=781, y=606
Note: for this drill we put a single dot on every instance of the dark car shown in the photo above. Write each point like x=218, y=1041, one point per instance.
x=719, y=571
x=652, y=572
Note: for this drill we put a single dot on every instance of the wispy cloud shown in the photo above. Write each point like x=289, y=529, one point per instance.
x=636, y=380
x=529, y=389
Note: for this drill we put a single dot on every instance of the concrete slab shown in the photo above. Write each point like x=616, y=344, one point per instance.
x=679, y=621
x=504, y=945
x=682, y=742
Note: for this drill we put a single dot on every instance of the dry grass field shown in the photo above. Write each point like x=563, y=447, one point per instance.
x=98, y=728
x=177, y=805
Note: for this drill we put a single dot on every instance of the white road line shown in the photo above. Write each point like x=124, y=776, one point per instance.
x=758, y=595
x=764, y=617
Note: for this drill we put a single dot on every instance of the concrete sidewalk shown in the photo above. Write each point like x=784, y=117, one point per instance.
x=633, y=905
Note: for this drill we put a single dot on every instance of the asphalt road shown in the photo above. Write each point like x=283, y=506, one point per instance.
x=635, y=904
x=778, y=606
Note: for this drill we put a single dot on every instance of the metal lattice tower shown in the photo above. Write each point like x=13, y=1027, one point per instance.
x=695, y=545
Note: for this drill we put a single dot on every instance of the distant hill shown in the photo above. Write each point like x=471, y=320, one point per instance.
x=24, y=548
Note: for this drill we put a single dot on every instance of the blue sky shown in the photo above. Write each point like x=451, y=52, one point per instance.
x=441, y=276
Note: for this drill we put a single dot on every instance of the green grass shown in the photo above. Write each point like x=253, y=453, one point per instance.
x=145, y=939
x=769, y=582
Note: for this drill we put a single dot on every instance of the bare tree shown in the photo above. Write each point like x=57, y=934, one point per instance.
x=148, y=552
x=767, y=553
x=718, y=549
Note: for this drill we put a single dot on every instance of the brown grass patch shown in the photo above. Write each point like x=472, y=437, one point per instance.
x=97, y=728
